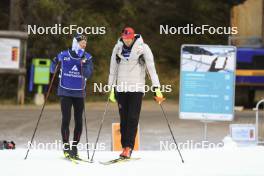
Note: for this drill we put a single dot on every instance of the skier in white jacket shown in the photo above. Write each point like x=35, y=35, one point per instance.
x=131, y=59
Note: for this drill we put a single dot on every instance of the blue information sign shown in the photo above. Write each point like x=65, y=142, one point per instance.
x=207, y=82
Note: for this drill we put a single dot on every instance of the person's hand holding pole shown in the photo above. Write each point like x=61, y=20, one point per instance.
x=112, y=97
x=158, y=97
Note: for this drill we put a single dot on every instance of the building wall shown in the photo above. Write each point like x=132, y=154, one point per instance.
x=248, y=17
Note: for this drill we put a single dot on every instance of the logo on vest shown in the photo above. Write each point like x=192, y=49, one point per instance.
x=66, y=58
x=74, y=68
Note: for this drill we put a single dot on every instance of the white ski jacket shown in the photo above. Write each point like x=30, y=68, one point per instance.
x=129, y=75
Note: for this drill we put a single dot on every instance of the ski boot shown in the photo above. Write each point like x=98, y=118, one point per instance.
x=66, y=150
x=126, y=154
x=74, y=153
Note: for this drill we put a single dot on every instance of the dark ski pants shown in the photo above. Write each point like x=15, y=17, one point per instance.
x=129, y=105
x=66, y=107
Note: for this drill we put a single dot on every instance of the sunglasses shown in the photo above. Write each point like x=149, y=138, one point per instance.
x=126, y=32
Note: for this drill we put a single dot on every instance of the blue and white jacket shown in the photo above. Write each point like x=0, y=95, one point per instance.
x=74, y=72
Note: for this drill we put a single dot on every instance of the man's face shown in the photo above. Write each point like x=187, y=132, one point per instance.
x=128, y=42
x=82, y=44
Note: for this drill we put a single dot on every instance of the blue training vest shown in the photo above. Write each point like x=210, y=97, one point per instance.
x=71, y=76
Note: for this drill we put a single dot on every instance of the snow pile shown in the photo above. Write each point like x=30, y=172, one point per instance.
x=229, y=142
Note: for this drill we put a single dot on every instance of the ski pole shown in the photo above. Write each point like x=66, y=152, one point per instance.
x=86, y=133
x=84, y=113
x=164, y=115
x=42, y=109
x=105, y=110
x=100, y=128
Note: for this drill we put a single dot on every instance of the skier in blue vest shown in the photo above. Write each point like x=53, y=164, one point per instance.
x=76, y=66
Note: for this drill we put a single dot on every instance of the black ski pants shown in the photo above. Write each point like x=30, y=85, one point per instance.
x=129, y=105
x=66, y=106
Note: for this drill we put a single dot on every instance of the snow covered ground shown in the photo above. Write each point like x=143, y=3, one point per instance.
x=199, y=162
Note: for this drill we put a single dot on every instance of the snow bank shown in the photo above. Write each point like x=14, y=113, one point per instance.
x=219, y=161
